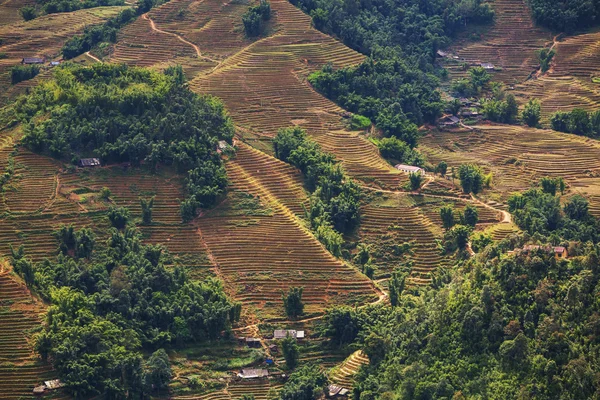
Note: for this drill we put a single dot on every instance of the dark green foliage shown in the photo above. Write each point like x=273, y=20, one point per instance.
x=551, y=185
x=447, y=216
x=28, y=13
x=545, y=56
x=471, y=178
x=60, y=6
x=442, y=168
x=565, y=15
x=480, y=241
x=416, y=180
x=341, y=325
x=307, y=383
x=121, y=113
x=395, y=86
x=291, y=352
x=95, y=34
x=532, y=113
x=118, y=217
x=470, y=215
x=399, y=151
x=396, y=286
x=292, y=302
x=247, y=397
x=578, y=121
x=505, y=111
x=255, y=17
x=539, y=212
x=360, y=122
x=479, y=77
x=20, y=73
x=457, y=238
x=147, y=205
x=106, y=309
x=335, y=199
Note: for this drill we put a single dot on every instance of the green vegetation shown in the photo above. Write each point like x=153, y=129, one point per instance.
x=545, y=56
x=28, y=13
x=111, y=301
x=307, y=383
x=121, y=113
x=255, y=18
x=398, y=151
x=501, y=109
x=147, y=205
x=471, y=178
x=578, y=121
x=360, y=122
x=532, y=113
x=292, y=302
x=415, y=180
x=335, y=199
x=20, y=73
x=291, y=352
x=96, y=34
x=565, y=15
x=395, y=86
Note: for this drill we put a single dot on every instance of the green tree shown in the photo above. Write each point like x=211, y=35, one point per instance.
x=306, y=383
x=291, y=352
x=147, y=205
x=442, y=168
x=545, y=57
x=447, y=216
x=28, y=13
x=396, y=287
x=118, y=216
x=416, y=180
x=458, y=237
x=292, y=302
x=579, y=122
x=560, y=121
x=479, y=77
x=532, y=113
x=470, y=215
x=471, y=178
x=577, y=208
x=341, y=325
x=158, y=372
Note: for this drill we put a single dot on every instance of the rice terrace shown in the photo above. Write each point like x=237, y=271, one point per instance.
x=300, y=199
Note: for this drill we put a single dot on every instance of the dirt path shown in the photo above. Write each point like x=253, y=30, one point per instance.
x=93, y=57
x=181, y=39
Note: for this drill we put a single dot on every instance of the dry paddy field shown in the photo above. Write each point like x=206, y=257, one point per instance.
x=516, y=155
x=40, y=37
x=509, y=44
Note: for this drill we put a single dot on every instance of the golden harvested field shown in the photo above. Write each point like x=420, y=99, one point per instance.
x=509, y=44
x=516, y=155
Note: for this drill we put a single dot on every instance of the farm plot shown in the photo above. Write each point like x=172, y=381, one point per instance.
x=517, y=156
x=10, y=11
x=509, y=44
x=43, y=36
x=20, y=369
x=343, y=374
x=391, y=220
x=261, y=248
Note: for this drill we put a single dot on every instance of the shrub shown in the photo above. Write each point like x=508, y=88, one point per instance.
x=471, y=178
x=292, y=302
x=254, y=18
x=28, y=13
x=359, y=122
x=20, y=73
x=532, y=113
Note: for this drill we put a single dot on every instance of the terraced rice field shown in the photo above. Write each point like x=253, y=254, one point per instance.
x=393, y=219
x=261, y=253
x=41, y=37
x=261, y=389
x=516, y=155
x=343, y=375
x=20, y=369
x=509, y=44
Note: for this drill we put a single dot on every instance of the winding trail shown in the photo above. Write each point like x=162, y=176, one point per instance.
x=180, y=38
x=93, y=57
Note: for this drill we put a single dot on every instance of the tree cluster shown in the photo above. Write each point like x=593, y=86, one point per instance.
x=128, y=114
x=577, y=121
x=255, y=18
x=334, y=207
x=565, y=15
x=398, y=151
x=60, y=6
x=20, y=73
x=111, y=301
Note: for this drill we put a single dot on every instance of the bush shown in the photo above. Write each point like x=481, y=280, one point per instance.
x=532, y=113
x=359, y=122
x=292, y=302
x=20, y=73
x=254, y=18
x=416, y=180
x=397, y=150
x=28, y=13
x=471, y=178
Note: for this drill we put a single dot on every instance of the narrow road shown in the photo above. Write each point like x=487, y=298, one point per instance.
x=93, y=57
x=181, y=39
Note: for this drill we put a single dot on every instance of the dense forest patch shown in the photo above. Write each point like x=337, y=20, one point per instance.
x=565, y=15
x=126, y=114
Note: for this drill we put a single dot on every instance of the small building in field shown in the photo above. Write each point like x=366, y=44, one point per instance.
x=32, y=60
x=449, y=121
x=559, y=251
x=54, y=384
x=442, y=53
x=89, y=162
x=55, y=63
x=411, y=169
x=282, y=334
x=469, y=113
x=337, y=391
x=253, y=373
x=273, y=348
x=39, y=389
x=487, y=66
x=253, y=342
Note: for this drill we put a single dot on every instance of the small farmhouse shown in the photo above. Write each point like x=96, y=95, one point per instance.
x=89, y=162
x=337, y=391
x=559, y=251
x=449, y=121
x=442, y=53
x=252, y=342
x=487, y=66
x=282, y=334
x=253, y=373
x=32, y=60
x=410, y=169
